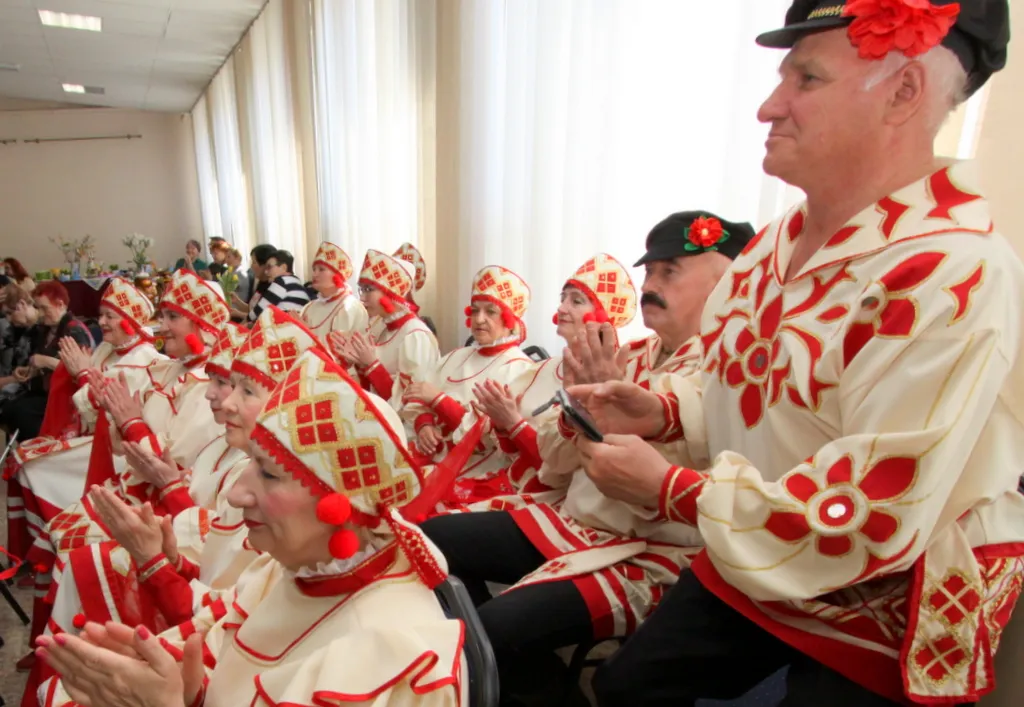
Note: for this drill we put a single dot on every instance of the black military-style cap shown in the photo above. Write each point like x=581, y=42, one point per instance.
x=979, y=37
x=676, y=236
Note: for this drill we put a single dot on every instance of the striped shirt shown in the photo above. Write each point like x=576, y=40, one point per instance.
x=286, y=293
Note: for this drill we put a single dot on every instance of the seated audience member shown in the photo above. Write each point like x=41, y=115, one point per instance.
x=171, y=417
x=336, y=307
x=18, y=274
x=400, y=348
x=47, y=474
x=600, y=291
x=233, y=263
x=339, y=609
x=218, y=255
x=16, y=334
x=55, y=323
x=191, y=261
x=243, y=303
x=285, y=291
x=592, y=566
x=859, y=399
x=440, y=407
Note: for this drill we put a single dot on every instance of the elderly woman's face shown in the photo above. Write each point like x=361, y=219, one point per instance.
x=571, y=310
x=323, y=280
x=241, y=408
x=50, y=312
x=217, y=392
x=486, y=323
x=280, y=513
x=110, y=327
x=175, y=328
x=23, y=314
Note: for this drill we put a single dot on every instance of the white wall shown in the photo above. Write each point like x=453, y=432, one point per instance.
x=104, y=188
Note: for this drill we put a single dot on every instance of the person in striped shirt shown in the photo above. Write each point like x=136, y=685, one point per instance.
x=286, y=291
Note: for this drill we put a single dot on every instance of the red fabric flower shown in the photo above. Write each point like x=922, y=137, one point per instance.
x=705, y=232
x=910, y=26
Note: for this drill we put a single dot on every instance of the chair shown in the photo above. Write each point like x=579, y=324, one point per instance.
x=537, y=353
x=580, y=661
x=483, y=668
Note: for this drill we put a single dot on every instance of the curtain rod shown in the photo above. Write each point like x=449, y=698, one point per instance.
x=38, y=140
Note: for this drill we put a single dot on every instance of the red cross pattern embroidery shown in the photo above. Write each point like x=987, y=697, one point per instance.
x=358, y=465
x=314, y=425
x=281, y=356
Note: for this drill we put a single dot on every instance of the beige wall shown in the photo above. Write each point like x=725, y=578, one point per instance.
x=1000, y=152
x=105, y=188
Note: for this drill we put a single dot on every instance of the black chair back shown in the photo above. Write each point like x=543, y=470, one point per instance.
x=537, y=353
x=483, y=668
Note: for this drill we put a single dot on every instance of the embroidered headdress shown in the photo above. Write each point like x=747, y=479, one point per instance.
x=608, y=286
x=392, y=276
x=348, y=448
x=199, y=301
x=502, y=287
x=409, y=253
x=276, y=341
x=336, y=260
x=231, y=337
x=132, y=306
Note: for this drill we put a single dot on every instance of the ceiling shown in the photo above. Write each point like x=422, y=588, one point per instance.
x=154, y=55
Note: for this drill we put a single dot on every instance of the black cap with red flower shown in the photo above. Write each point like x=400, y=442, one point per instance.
x=977, y=31
x=693, y=233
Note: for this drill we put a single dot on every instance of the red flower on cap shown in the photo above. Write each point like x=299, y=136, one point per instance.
x=910, y=26
x=704, y=233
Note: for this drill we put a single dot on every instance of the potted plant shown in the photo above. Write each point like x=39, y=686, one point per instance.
x=138, y=244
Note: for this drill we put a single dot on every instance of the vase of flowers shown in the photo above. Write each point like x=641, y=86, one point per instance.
x=138, y=244
x=228, y=281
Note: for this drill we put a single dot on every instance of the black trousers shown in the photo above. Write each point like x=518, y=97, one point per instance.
x=696, y=646
x=526, y=625
x=25, y=414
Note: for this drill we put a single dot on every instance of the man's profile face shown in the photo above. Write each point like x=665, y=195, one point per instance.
x=820, y=114
x=663, y=296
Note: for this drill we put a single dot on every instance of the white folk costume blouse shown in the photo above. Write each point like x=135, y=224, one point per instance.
x=864, y=426
x=621, y=557
x=341, y=312
x=50, y=472
x=375, y=635
x=642, y=362
x=406, y=352
x=483, y=476
x=104, y=584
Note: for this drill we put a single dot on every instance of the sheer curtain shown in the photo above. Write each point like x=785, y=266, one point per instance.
x=265, y=65
x=374, y=68
x=232, y=184
x=206, y=169
x=582, y=123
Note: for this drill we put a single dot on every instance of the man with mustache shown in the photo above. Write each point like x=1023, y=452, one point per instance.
x=687, y=254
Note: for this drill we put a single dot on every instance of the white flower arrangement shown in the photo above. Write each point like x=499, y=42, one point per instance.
x=138, y=244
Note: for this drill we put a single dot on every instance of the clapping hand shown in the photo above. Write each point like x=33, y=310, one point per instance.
x=592, y=356
x=159, y=471
x=74, y=357
x=122, y=405
x=421, y=392
x=497, y=402
x=429, y=439
x=364, y=349
x=137, y=530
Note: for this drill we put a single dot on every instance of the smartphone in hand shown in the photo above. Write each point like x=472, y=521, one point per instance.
x=577, y=416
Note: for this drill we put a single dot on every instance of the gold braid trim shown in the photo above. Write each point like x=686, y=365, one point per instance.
x=832, y=11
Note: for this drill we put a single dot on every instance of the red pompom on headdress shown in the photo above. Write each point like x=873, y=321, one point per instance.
x=554, y=319
x=508, y=319
x=336, y=509
x=127, y=328
x=338, y=280
x=598, y=315
x=79, y=621
x=387, y=305
x=195, y=344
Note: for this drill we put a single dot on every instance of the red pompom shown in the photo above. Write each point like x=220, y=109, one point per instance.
x=79, y=621
x=195, y=344
x=598, y=315
x=554, y=319
x=40, y=568
x=334, y=509
x=127, y=328
x=469, y=323
x=387, y=305
x=339, y=281
x=343, y=544
x=468, y=311
x=508, y=319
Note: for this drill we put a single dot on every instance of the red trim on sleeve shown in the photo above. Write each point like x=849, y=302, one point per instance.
x=677, y=500
x=379, y=378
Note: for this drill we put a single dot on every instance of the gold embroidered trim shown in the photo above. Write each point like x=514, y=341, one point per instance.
x=831, y=11
x=153, y=569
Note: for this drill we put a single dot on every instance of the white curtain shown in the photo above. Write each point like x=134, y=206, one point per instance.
x=374, y=66
x=582, y=123
x=232, y=185
x=206, y=168
x=270, y=141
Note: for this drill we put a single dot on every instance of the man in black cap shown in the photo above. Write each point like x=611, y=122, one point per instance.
x=687, y=254
x=859, y=406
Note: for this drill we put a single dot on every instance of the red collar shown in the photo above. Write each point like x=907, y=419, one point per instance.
x=397, y=324
x=495, y=350
x=362, y=575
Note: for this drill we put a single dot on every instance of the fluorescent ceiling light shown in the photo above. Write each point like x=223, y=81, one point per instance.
x=74, y=88
x=63, y=19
